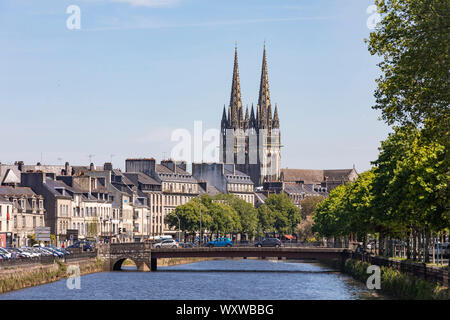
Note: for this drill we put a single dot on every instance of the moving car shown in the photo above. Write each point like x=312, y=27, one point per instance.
x=269, y=242
x=220, y=242
x=166, y=244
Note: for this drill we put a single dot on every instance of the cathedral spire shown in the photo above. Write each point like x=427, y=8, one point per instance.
x=264, y=94
x=246, y=119
x=252, y=118
x=235, y=99
x=276, y=120
x=224, y=123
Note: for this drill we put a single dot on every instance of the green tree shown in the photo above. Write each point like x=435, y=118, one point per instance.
x=266, y=220
x=309, y=204
x=329, y=218
x=286, y=213
x=413, y=40
x=224, y=219
x=189, y=216
x=248, y=215
x=308, y=208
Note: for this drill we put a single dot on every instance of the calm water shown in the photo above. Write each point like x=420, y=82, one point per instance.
x=209, y=280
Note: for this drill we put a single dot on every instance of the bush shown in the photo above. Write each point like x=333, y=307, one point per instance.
x=397, y=284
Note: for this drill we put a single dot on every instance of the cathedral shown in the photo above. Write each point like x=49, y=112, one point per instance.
x=252, y=141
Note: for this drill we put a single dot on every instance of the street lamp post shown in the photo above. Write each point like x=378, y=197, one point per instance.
x=110, y=230
x=200, y=225
x=153, y=228
x=101, y=227
x=179, y=227
x=148, y=227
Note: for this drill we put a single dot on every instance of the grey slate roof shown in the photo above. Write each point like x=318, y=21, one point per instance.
x=316, y=176
x=237, y=177
x=165, y=174
x=16, y=191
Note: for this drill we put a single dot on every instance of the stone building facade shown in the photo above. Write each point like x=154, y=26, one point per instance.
x=6, y=210
x=27, y=213
x=167, y=185
x=226, y=179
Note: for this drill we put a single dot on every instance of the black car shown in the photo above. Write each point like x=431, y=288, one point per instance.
x=269, y=242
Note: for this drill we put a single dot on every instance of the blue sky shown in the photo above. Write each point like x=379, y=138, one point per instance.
x=138, y=69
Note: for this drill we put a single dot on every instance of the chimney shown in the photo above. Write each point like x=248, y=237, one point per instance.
x=182, y=165
x=170, y=164
x=66, y=168
x=20, y=165
x=230, y=167
x=91, y=167
x=107, y=166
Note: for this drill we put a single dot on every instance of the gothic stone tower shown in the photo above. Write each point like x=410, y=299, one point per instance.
x=252, y=142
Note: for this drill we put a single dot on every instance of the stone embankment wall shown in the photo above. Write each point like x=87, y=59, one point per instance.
x=19, y=277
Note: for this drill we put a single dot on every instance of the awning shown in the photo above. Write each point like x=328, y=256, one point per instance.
x=289, y=237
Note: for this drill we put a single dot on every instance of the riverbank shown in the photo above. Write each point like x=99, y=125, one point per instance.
x=20, y=277
x=394, y=283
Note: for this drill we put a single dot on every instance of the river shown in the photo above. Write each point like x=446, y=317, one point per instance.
x=210, y=280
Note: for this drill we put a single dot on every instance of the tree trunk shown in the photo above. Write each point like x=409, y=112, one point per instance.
x=381, y=249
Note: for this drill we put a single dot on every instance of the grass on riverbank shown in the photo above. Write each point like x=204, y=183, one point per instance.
x=398, y=285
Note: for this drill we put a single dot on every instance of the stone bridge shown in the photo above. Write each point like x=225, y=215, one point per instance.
x=146, y=257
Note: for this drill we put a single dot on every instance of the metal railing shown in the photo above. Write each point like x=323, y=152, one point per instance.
x=27, y=261
x=80, y=256
x=43, y=260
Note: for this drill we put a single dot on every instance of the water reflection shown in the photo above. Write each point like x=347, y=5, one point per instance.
x=210, y=280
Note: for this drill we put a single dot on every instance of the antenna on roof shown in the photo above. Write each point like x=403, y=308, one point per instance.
x=113, y=155
x=90, y=157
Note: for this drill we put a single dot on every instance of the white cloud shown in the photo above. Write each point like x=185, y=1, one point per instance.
x=150, y=3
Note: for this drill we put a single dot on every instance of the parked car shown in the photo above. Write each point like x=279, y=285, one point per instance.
x=46, y=253
x=444, y=249
x=19, y=253
x=61, y=250
x=166, y=244
x=30, y=252
x=85, y=245
x=269, y=242
x=5, y=253
x=51, y=251
x=220, y=242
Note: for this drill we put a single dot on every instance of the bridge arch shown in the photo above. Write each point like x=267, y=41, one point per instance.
x=117, y=263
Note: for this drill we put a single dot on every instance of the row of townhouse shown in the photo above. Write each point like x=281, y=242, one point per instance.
x=103, y=203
